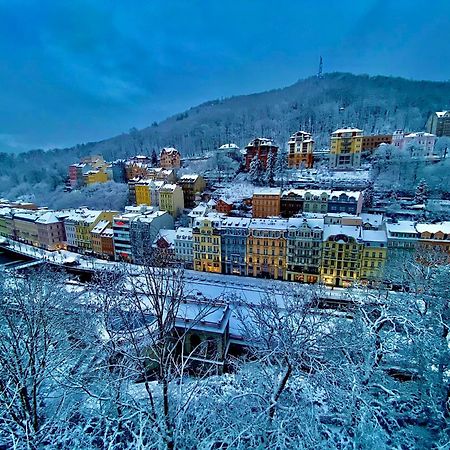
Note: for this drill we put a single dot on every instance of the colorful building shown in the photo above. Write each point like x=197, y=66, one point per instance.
x=374, y=255
x=183, y=245
x=419, y=145
x=266, y=248
x=95, y=176
x=341, y=255
x=301, y=150
x=51, y=233
x=266, y=202
x=260, y=147
x=171, y=199
x=170, y=158
x=304, y=249
x=207, y=243
x=434, y=242
x=192, y=185
x=372, y=142
x=345, y=148
x=233, y=232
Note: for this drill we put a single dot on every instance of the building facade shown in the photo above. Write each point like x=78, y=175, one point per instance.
x=439, y=123
x=260, y=147
x=207, y=244
x=304, y=250
x=234, y=231
x=266, y=248
x=301, y=150
x=418, y=145
x=191, y=185
x=171, y=199
x=170, y=158
x=266, y=202
x=345, y=148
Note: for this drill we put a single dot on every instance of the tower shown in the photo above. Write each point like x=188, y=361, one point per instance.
x=319, y=73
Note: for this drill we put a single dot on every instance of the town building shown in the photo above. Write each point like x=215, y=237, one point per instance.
x=147, y=192
x=51, y=233
x=439, y=123
x=96, y=237
x=372, y=142
x=418, y=145
x=345, y=148
x=434, y=242
x=374, y=255
x=260, y=147
x=266, y=248
x=170, y=158
x=164, y=247
x=192, y=185
x=266, y=202
x=301, y=150
x=171, y=199
x=183, y=245
x=207, y=243
x=224, y=206
x=95, y=176
x=143, y=230
x=304, y=249
x=233, y=232
x=25, y=227
x=341, y=255
x=78, y=173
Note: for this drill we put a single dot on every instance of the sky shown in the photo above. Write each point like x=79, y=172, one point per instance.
x=83, y=70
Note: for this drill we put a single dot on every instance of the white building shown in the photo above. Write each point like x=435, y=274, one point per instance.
x=183, y=246
x=419, y=145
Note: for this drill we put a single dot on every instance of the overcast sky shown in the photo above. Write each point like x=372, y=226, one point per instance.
x=82, y=70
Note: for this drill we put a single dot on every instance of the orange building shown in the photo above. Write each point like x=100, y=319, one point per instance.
x=434, y=242
x=224, y=206
x=266, y=202
x=301, y=148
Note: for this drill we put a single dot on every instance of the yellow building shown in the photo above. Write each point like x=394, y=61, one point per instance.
x=171, y=199
x=342, y=254
x=301, y=148
x=207, y=249
x=374, y=255
x=267, y=248
x=345, y=149
x=142, y=193
x=95, y=176
x=85, y=223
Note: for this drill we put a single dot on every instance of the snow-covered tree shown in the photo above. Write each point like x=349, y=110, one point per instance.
x=270, y=169
x=256, y=170
x=281, y=166
x=421, y=194
x=154, y=158
x=368, y=195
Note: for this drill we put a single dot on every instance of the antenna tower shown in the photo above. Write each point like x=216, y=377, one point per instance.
x=319, y=73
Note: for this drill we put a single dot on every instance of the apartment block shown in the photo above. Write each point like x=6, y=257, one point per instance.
x=301, y=150
x=266, y=202
x=171, y=199
x=345, y=148
x=207, y=243
x=234, y=231
x=260, y=147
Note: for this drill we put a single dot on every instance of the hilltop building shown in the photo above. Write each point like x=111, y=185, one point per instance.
x=301, y=150
x=345, y=148
x=260, y=147
x=439, y=123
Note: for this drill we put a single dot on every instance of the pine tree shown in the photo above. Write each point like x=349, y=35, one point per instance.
x=281, y=166
x=255, y=170
x=421, y=193
x=154, y=158
x=270, y=169
x=368, y=195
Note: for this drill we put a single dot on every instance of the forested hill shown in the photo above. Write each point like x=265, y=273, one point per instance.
x=375, y=104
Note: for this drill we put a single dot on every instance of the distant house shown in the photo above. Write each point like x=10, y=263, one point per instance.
x=260, y=147
x=192, y=185
x=420, y=145
x=439, y=123
x=224, y=206
x=301, y=150
x=170, y=158
x=345, y=148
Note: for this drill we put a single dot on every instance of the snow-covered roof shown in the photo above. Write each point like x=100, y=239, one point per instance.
x=378, y=236
x=48, y=218
x=183, y=233
x=269, y=224
x=107, y=232
x=235, y=222
x=311, y=222
x=167, y=235
x=169, y=187
x=347, y=230
x=403, y=226
x=189, y=177
x=347, y=130
x=169, y=150
x=443, y=227
x=374, y=220
x=319, y=192
x=228, y=147
x=419, y=134
x=267, y=191
x=203, y=316
x=261, y=141
x=99, y=228
x=443, y=113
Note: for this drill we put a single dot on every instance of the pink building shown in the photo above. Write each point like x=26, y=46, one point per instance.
x=418, y=144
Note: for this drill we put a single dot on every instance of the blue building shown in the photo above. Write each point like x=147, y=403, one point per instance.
x=350, y=202
x=234, y=231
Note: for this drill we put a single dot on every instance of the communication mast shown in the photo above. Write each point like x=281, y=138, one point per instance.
x=319, y=73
